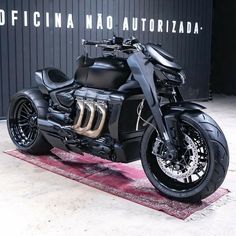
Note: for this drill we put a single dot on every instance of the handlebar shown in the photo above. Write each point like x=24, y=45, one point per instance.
x=116, y=43
x=88, y=42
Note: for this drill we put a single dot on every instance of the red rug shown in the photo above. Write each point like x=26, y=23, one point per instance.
x=119, y=179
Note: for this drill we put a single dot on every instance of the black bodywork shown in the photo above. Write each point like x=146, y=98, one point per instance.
x=123, y=110
x=121, y=84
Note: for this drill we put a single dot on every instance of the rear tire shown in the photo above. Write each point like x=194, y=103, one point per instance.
x=209, y=139
x=25, y=108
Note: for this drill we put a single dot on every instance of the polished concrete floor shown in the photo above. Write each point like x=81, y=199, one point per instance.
x=37, y=202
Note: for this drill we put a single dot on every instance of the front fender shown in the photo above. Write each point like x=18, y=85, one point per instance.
x=172, y=113
x=181, y=107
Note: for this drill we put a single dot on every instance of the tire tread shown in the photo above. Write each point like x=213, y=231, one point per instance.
x=41, y=145
x=218, y=150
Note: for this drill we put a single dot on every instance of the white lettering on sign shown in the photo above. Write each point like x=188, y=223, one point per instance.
x=167, y=26
x=160, y=26
x=13, y=17
x=135, y=24
x=196, y=31
x=174, y=25
x=110, y=22
x=59, y=20
x=36, y=21
x=181, y=27
x=47, y=19
x=2, y=17
x=143, y=20
x=99, y=21
x=125, y=24
x=25, y=18
x=152, y=25
x=89, y=22
x=189, y=27
x=70, y=23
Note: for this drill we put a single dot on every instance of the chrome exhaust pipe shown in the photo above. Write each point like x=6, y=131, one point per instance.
x=90, y=105
x=93, y=106
x=81, y=106
x=102, y=108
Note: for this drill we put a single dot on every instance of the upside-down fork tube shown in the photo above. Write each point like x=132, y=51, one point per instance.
x=143, y=72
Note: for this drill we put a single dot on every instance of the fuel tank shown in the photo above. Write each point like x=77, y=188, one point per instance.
x=102, y=72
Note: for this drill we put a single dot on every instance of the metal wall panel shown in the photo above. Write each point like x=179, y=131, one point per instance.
x=26, y=46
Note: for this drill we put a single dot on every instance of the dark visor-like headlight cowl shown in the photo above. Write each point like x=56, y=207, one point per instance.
x=169, y=76
x=175, y=79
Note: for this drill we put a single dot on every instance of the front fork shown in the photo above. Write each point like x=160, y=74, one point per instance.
x=143, y=73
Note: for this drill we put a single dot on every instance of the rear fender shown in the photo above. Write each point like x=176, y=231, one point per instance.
x=39, y=74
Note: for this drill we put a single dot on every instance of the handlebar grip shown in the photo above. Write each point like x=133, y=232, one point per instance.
x=87, y=42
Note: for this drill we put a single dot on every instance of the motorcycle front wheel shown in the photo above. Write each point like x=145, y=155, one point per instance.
x=201, y=164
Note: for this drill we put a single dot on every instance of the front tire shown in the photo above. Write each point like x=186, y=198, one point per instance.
x=206, y=155
x=25, y=108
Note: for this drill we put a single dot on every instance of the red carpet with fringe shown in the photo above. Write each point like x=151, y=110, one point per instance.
x=119, y=179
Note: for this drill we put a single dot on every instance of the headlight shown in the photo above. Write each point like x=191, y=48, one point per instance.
x=169, y=76
x=173, y=79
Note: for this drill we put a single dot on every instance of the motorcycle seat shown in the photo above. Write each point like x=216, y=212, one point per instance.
x=50, y=79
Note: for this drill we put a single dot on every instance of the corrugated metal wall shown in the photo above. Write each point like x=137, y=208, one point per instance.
x=26, y=46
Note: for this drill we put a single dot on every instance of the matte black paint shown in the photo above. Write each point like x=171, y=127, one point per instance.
x=23, y=50
x=104, y=73
x=143, y=72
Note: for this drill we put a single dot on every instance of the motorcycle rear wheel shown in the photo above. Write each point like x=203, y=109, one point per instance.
x=204, y=159
x=25, y=108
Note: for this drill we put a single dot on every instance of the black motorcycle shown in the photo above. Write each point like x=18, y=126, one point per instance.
x=125, y=109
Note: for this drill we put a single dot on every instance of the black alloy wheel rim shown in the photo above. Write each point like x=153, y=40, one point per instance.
x=23, y=123
x=174, y=184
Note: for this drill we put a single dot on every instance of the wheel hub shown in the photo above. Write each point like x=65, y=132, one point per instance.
x=184, y=166
x=32, y=121
x=24, y=123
